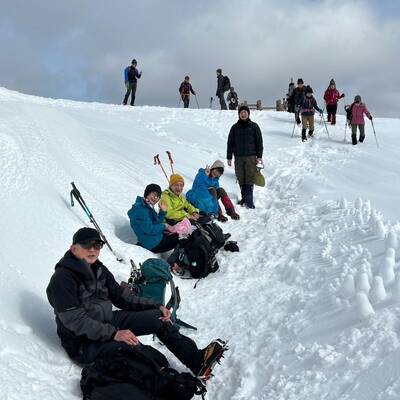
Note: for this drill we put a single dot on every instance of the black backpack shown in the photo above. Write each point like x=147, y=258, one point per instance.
x=349, y=112
x=137, y=372
x=213, y=233
x=195, y=255
x=226, y=84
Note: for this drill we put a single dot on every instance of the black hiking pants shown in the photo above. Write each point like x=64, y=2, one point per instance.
x=186, y=101
x=145, y=323
x=222, y=102
x=167, y=243
x=331, y=109
x=131, y=88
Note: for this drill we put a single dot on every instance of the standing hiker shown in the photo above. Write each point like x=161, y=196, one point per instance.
x=82, y=292
x=131, y=75
x=246, y=144
x=297, y=98
x=223, y=85
x=331, y=97
x=307, y=110
x=149, y=226
x=185, y=89
x=356, y=119
x=206, y=192
x=178, y=207
x=289, y=97
x=232, y=99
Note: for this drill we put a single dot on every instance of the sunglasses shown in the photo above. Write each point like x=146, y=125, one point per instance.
x=95, y=244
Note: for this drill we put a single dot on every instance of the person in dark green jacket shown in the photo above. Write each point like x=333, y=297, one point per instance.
x=149, y=226
x=246, y=144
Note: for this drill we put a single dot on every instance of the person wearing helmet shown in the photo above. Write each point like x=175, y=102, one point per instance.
x=131, y=75
x=184, y=90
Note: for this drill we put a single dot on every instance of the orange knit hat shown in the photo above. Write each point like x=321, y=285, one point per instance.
x=174, y=178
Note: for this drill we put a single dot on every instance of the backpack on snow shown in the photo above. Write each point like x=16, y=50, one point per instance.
x=195, y=255
x=226, y=83
x=150, y=281
x=213, y=233
x=137, y=372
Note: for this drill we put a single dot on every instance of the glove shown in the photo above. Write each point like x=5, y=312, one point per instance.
x=321, y=113
x=194, y=92
x=370, y=117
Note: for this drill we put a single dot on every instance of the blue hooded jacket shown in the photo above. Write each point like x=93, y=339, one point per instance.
x=146, y=223
x=199, y=195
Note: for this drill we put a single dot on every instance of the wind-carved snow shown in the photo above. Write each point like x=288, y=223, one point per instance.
x=309, y=305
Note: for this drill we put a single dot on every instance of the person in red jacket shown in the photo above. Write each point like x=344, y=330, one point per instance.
x=331, y=98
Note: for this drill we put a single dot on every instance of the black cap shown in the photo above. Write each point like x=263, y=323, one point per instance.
x=219, y=70
x=153, y=187
x=243, y=107
x=309, y=89
x=134, y=61
x=300, y=81
x=85, y=235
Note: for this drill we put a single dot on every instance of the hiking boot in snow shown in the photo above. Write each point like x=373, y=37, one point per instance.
x=232, y=213
x=222, y=218
x=333, y=120
x=230, y=210
x=310, y=133
x=211, y=355
x=354, y=139
x=361, y=139
x=303, y=135
x=248, y=198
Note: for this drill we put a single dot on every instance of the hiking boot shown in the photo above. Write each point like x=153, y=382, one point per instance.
x=211, y=355
x=361, y=139
x=248, y=200
x=222, y=218
x=310, y=133
x=303, y=135
x=232, y=213
x=354, y=139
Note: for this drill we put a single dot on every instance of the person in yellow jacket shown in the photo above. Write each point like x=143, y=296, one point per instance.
x=178, y=207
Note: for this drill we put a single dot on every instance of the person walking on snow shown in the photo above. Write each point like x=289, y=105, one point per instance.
x=82, y=292
x=232, y=99
x=307, y=110
x=206, y=192
x=185, y=89
x=357, y=111
x=131, y=75
x=178, y=207
x=297, y=98
x=222, y=87
x=331, y=97
x=149, y=226
x=245, y=142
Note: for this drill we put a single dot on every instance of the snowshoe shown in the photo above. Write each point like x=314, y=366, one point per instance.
x=212, y=355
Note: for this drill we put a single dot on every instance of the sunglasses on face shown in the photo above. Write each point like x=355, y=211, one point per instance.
x=95, y=244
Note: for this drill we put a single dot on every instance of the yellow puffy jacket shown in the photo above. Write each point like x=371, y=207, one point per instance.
x=178, y=206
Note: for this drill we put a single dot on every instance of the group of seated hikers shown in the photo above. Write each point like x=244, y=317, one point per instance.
x=159, y=231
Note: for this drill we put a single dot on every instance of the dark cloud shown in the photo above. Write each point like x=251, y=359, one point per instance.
x=78, y=49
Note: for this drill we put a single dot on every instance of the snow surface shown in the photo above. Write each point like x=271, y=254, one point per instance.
x=310, y=305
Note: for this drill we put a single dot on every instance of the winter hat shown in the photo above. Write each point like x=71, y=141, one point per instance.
x=152, y=188
x=232, y=89
x=300, y=81
x=85, y=235
x=332, y=82
x=244, y=107
x=219, y=70
x=134, y=61
x=309, y=89
x=218, y=164
x=174, y=178
x=357, y=98
x=187, y=77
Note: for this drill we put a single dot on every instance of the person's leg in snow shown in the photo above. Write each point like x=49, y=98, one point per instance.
x=226, y=201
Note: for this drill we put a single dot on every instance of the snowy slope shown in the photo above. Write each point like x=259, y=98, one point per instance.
x=326, y=222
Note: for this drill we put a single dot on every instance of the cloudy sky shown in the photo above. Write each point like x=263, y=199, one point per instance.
x=78, y=49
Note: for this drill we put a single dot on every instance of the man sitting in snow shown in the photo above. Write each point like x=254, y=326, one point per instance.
x=82, y=292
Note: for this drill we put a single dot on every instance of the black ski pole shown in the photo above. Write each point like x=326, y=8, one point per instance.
x=326, y=128
x=179, y=103
x=195, y=96
x=78, y=197
x=376, y=139
x=211, y=101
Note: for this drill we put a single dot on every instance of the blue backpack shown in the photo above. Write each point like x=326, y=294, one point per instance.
x=151, y=280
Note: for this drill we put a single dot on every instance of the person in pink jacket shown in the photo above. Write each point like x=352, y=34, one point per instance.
x=331, y=97
x=357, y=111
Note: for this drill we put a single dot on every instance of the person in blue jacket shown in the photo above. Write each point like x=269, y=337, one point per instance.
x=131, y=75
x=152, y=233
x=206, y=192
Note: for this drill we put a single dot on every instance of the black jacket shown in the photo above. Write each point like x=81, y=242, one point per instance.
x=133, y=74
x=185, y=88
x=220, y=86
x=245, y=139
x=82, y=296
x=298, y=95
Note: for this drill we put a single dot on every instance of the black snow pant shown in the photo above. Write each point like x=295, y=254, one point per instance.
x=168, y=242
x=232, y=106
x=145, y=323
x=186, y=101
x=331, y=110
x=222, y=102
x=131, y=88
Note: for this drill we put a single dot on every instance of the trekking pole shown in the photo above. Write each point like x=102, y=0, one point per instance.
x=179, y=103
x=376, y=139
x=326, y=128
x=195, y=96
x=320, y=121
x=158, y=162
x=294, y=126
x=211, y=101
x=171, y=161
x=78, y=197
